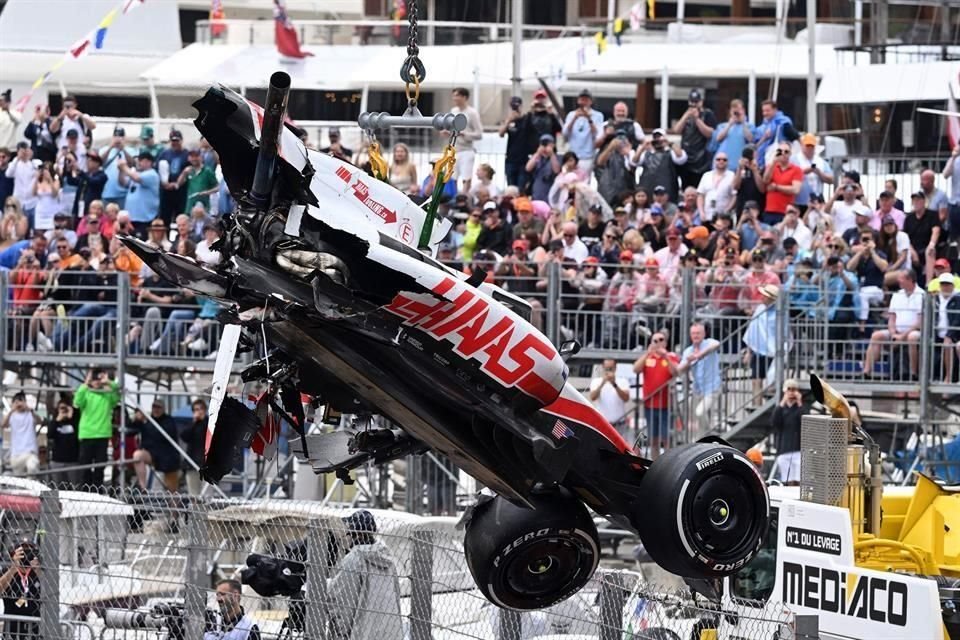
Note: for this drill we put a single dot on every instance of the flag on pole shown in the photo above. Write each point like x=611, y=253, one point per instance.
x=81, y=47
x=953, y=122
x=130, y=5
x=286, y=35
x=102, y=29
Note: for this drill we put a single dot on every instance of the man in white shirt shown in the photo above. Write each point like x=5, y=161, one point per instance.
x=581, y=129
x=670, y=256
x=715, y=194
x=71, y=118
x=610, y=395
x=9, y=120
x=905, y=317
x=792, y=227
x=573, y=246
x=466, y=156
x=22, y=423
x=844, y=211
x=23, y=170
x=816, y=170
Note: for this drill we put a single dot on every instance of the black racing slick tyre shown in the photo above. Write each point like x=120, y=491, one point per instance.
x=531, y=558
x=705, y=511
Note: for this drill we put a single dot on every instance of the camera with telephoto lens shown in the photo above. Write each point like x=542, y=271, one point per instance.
x=168, y=616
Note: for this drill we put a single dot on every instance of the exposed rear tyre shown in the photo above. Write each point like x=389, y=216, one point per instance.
x=531, y=558
x=705, y=510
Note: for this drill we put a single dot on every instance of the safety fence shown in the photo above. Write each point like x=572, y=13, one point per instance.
x=160, y=566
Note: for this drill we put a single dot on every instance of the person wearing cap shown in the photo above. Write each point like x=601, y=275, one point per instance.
x=869, y=263
x=336, y=147
x=20, y=590
x=715, y=193
x=669, y=256
x=863, y=218
x=816, y=170
x=695, y=128
x=659, y=159
x=71, y=118
x=776, y=127
x=591, y=284
x=699, y=237
x=148, y=143
x=75, y=147
x=785, y=427
x=581, y=128
x=155, y=450
x=206, y=255
x=887, y=207
x=653, y=288
x=940, y=267
x=366, y=585
x=495, y=235
x=736, y=133
x=143, y=194
x=904, y=319
x=23, y=170
x=592, y=229
x=614, y=168
x=946, y=309
x=9, y=120
x=658, y=366
x=90, y=185
x=117, y=150
x=542, y=168
x=466, y=156
x=526, y=221
x=925, y=230
x=200, y=181
x=516, y=266
x=951, y=171
x=61, y=229
x=38, y=133
x=782, y=180
x=524, y=132
x=170, y=164
x=844, y=211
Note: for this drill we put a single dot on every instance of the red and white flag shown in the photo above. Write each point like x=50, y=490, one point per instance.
x=286, y=35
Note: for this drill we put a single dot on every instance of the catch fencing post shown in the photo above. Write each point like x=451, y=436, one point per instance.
x=552, y=307
x=782, y=332
x=123, y=326
x=510, y=625
x=613, y=599
x=315, y=611
x=421, y=586
x=49, y=533
x=197, y=579
x=687, y=307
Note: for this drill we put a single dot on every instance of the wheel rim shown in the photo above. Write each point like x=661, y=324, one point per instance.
x=544, y=568
x=722, y=513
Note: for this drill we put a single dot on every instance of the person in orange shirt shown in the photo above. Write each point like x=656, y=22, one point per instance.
x=658, y=366
x=126, y=260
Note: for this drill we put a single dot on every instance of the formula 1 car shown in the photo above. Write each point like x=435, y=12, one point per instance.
x=322, y=271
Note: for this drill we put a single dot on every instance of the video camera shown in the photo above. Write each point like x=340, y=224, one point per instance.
x=167, y=616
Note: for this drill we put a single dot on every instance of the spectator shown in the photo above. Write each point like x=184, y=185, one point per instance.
x=886, y=208
x=891, y=185
x=843, y=300
x=367, y=582
x=115, y=190
x=542, y=168
x=10, y=257
x=923, y=228
x=170, y=164
x=9, y=120
x=514, y=127
x=403, y=172
x=335, y=149
x=466, y=156
x=38, y=133
x=157, y=235
x=91, y=185
x=699, y=239
x=200, y=181
x=610, y=394
x=703, y=362
x=63, y=446
x=205, y=254
x=715, y=193
x=658, y=365
x=23, y=169
x=775, y=128
x=157, y=449
x=897, y=244
x=148, y=145
x=607, y=251
x=20, y=591
x=659, y=160
x=951, y=170
x=845, y=208
x=22, y=423
x=76, y=147
x=46, y=193
x=733, y=136
x=591, y=231
x=6, y=184
x=234, y=623
x=581, y=128
x=653, y=288
x=621, y=125
x=935, y=198
x=760, y=339
x=495, y=235
x=941, y=266
x=793, y=227
x=143, y=195
x=905, y=315
x=782, y=180
x=96, y=399
x=526, y=221
x=669, y=257
x=869, y=263
x=71, y=119
x=695, y=128
x=947, y=322
x=785, y=426
x=573, y=248
x=70, y=178
x=863, y=219
x=748, y=181
x=816, y=170
x=614, y=168
x=760, y=274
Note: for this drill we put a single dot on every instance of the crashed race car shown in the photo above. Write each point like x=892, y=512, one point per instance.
x=323, y=273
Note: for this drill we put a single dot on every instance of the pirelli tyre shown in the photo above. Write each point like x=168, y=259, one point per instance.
x=704, y=511
x=531, y=558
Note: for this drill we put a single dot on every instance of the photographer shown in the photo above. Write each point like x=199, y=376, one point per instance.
x=20, y=591
x=695, y=129
x=236, y=624
x=95, y=398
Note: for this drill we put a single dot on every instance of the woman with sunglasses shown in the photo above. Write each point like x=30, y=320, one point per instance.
x=607, y=251
x=14, y=224
x=893, y=242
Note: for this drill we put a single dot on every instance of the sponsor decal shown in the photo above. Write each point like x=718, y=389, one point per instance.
x=405, y=232
x=882, y=600
x=809, y=540
x=709, y=461
x=519, y=541
x=362, y=193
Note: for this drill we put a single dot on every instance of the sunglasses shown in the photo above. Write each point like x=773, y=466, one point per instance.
x=569, y=235
x=721, y=159
x=831, y=246
x=658, y=339
x=866, y=239
x=781, y=152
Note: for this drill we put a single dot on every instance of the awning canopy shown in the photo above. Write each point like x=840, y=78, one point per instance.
x=875, y=84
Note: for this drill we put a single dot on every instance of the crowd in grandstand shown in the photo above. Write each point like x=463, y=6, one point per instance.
x=749, y=212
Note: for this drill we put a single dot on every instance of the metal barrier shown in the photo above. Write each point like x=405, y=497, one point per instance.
x=155, y=567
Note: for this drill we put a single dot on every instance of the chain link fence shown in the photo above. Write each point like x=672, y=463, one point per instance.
x=160, y=565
